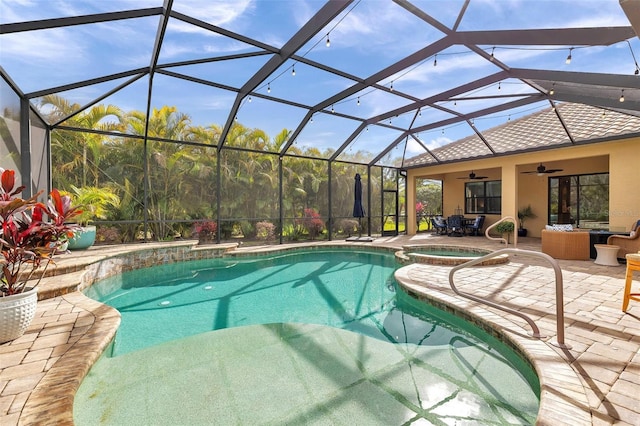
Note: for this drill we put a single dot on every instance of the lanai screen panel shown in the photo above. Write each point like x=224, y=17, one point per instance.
x=78, y=107
x=39, y=154
x=342, y=194
x=190, y=104
x=111, y=162
x=10, y=138
x=359, y=38
x=305, y=188
x=370, y=142
x=48, y=58
x=267, y=124
x=323, y=135
x=249, y=189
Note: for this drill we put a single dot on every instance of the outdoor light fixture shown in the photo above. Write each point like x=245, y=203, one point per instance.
x=268, y=87
x=622, y=96
x=568, y=60
x=358, y=101
x=391, y=87
x=332, y=110
x=492, y=57
x=328, y=41
x=435, y=60
x=293, y=70
x=552, y=91
x=499, y=85
x=250, y=99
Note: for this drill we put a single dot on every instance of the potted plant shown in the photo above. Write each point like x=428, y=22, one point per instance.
x=94, y=202
x=28, y=242
x=505, y=228
x=524, y=214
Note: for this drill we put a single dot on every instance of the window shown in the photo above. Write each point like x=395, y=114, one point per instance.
x=582, y=200
x=483, y=197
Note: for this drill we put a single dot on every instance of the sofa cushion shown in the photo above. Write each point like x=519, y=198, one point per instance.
x=559, y=227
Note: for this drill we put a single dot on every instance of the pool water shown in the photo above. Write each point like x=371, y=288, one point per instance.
x=297, y=338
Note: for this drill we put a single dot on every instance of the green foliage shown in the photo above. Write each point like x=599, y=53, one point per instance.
x=94, y=202
x=505, y=227
x=265, y=231
x=180, y=185
x=429, y=193
x=293, y=232
x=524, y=214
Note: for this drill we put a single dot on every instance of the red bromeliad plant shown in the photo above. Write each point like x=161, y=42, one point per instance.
x=206, y=230
x=27, y=239
x=312, y=222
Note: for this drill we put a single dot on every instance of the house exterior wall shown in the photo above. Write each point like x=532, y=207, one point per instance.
x=620, y=158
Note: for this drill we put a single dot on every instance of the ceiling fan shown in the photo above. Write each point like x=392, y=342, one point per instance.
x=541, y=170
x=473, y=176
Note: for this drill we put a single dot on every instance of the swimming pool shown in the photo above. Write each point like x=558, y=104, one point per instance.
x=301, y=337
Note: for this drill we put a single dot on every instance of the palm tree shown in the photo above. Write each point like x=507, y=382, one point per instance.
x=72, y=151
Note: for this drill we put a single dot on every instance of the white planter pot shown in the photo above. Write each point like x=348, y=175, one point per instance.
x=16, y=313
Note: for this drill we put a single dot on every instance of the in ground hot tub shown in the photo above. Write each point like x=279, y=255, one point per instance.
x=448, y=255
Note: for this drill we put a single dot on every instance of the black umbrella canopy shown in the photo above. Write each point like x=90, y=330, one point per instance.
x=358, y=210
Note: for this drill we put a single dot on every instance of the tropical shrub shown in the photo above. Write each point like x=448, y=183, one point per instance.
x=312, y=222
x=206, y=231
x=346, y=226
x=265, y=231
x=108, y=235
x=27, y=240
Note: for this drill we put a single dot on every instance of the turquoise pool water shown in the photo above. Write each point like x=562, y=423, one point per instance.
x=303, y=337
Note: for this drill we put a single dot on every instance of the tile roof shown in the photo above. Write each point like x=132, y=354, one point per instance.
x=540, y=130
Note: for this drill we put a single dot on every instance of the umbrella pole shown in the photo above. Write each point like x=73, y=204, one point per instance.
x=360, y=227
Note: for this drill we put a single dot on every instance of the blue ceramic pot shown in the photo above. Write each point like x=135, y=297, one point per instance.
x=83, y=238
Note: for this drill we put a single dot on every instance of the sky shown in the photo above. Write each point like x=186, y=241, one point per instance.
x=368, y=36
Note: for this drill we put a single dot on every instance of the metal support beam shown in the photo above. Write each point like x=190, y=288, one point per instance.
x=25, y=149
x=314, y=25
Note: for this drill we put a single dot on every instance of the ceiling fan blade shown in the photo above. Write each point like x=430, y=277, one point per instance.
x=541, y=169
x=473, y=176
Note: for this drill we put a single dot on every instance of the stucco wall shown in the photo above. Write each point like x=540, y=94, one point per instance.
x=620, y=158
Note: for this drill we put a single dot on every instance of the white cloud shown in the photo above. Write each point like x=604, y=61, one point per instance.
x=219, y=12
x=53, y=46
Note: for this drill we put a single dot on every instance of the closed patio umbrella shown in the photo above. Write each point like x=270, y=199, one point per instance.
x=358, y=210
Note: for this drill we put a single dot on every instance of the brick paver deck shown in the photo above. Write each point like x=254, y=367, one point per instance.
x=596, y=382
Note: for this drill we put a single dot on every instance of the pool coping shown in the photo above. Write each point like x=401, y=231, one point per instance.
x=562, y=393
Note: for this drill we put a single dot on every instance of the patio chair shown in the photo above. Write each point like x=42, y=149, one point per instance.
x=627, y=243
x=454, y=223
x=475, y=228
x=439, y=224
